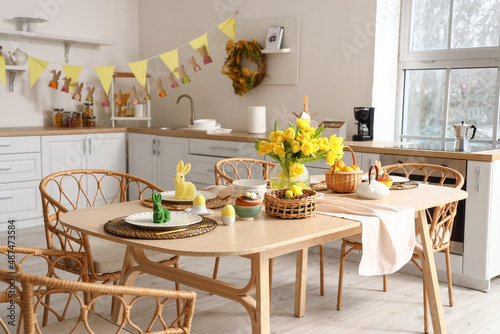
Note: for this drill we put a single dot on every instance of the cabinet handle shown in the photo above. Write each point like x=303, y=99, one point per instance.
x=6, y=197
x=158, y=147
x=84, y=147
x=224, y=148
x=154, y=146
x=478, y=173
x=5, y=144
x=90, y=146
x=6, y=168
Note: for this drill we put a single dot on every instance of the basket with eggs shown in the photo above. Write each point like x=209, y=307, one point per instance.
x=290, y=203
x=344, y=179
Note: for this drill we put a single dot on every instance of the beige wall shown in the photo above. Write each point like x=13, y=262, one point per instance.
x=111, y=20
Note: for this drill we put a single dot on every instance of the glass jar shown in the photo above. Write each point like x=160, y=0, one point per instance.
x=122, y=111
x=90, y=121
x=280, y=181
x=58, y=117
x=88, y=109
x=78, y=120
x=68, y=119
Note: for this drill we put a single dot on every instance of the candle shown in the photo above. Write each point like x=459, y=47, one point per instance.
x=256, y=119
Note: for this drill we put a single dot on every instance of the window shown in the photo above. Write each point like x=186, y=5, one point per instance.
x=450, y=58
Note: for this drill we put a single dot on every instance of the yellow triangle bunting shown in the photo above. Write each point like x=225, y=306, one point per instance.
x=2, y=70
x=139, y=68
x=228, y=27
x=105, y=74
x=199, y=42
x=37, y=67
x=72, y=72
x=171, y=59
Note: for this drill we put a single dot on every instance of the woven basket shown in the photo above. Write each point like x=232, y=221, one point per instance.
x=277, y=206
x=343, y=182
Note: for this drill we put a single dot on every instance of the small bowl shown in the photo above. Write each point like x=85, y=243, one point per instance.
x=242, y=186
x=247, y=212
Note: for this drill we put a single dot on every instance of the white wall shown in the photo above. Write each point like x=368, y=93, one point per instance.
x=111, y=20
x=335, y=81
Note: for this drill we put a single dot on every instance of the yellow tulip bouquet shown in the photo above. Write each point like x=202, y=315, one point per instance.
x=297, y=145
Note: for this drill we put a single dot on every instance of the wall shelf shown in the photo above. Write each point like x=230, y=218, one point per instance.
x=12, y=69
x=67, y=40
x=282, y=64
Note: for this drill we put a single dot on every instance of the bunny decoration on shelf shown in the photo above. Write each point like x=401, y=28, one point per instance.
x=65, y=87
x=105, y=98
x=160, y=213
x=55, y=77
x=183, y=190
x=171, y=78
x=90, y=94
x=182, y=74
x=193, y=63
x=159, y=86
x=133, y=96
x=204, y=53
x=77, y=95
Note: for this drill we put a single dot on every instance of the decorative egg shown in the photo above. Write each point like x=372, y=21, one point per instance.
x=199, y=201
x=228, y=215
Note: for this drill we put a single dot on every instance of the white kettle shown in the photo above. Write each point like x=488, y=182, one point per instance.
x=18, y=57
x=372, y=189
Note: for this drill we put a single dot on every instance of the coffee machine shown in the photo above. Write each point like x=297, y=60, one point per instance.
x=364, y=116
x=462, y=136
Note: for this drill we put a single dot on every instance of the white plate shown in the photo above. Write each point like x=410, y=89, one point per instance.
x=209, y=211
x=394, y=178
x=169, y=196
x=177, y=220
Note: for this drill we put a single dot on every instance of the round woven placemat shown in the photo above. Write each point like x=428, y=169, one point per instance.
x=404, y=186
x=123, y=229
x=213, y=203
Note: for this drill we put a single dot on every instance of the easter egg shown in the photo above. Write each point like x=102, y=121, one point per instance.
x=199, y=201
x=228, y=211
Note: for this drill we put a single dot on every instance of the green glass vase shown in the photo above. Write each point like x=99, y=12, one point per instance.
x=279, y=180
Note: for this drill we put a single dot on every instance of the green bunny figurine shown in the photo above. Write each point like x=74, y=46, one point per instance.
x=160, y=214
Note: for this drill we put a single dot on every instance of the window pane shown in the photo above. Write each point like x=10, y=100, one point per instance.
x=472, y=100
x=475, y=23
x=424, y=97
x=430, y=24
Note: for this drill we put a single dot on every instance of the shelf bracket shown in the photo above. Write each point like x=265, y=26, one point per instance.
x=67, y=46
x=12, y=77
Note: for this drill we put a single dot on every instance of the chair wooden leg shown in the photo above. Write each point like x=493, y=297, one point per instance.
x=426, y=311
x=341, y=275
x=46, y=311
x=448, y=272
x=385, y=283
x=179, y=302
x=322, y=269
x=216, y=267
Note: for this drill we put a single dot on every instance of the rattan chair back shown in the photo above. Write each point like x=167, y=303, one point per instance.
x=230, y=169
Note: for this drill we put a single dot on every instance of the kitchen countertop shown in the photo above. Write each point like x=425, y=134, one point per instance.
x=377, y=147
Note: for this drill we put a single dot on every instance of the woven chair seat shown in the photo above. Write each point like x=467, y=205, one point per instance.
x=99, y=324
x=108, y=256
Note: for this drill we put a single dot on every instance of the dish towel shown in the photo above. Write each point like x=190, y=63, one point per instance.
x=221, y=191
x=388, y=232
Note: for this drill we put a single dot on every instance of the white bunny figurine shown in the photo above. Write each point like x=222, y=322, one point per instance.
x=183, y=190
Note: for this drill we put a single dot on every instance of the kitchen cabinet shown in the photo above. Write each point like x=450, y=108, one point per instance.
x=85, y=151
x=204, y=153
x=20, y=174
x=155, y=158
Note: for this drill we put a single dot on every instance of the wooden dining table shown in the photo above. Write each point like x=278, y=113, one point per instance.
x=260, y=239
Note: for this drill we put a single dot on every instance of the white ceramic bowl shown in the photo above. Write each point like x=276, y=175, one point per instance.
x=243, y=186
x=203, y=124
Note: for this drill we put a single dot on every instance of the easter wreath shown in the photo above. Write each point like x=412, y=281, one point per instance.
x=244, y=79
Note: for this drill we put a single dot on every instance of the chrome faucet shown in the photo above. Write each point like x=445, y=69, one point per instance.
x=192, y=106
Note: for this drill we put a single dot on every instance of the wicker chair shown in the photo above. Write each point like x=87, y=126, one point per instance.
x=30, y=292
x=230, y=169
x=441, y=219
x=74, y=189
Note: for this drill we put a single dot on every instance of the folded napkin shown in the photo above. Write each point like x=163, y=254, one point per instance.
x=220, y=191
x=388, y=232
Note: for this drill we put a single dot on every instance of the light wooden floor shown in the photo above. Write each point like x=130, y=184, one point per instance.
x=365, y=308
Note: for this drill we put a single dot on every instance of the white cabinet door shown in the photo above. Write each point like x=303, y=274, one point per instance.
x=169, y=151
x=107, y=151
x=63, y=153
